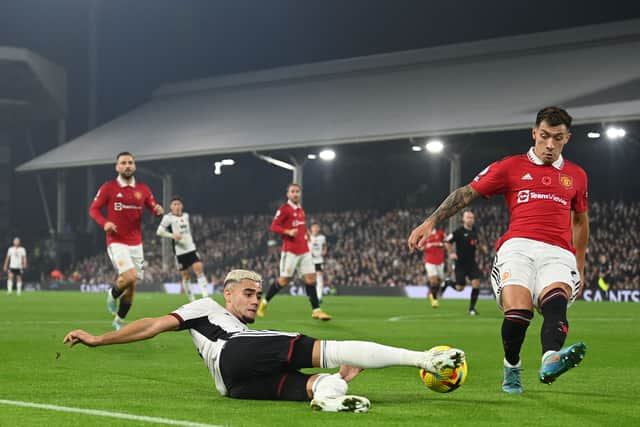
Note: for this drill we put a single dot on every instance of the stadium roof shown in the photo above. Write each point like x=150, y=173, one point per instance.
x=488, y=85
x=31, y=87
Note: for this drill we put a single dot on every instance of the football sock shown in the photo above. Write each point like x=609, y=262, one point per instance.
x=555, y=325
x=9, y=285
x=313, y=296
x=365, y=354
x=202, y=281
x=273, y=290
x=514, y=328
x=186, y=286
x=319, y=285
x=19, y=286
x=116, y=292
x=434, y=291
x=123, y=309
x=474, y=298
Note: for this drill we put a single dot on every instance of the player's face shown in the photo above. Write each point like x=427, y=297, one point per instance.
x=176, y=207
x=468, y=219
x=126, y=166
x=16, y=242
x=293, y=194
x=242, y=299
x=549, y=141
x=315, y=229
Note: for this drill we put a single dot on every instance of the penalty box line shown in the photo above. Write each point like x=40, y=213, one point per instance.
x=100, y=413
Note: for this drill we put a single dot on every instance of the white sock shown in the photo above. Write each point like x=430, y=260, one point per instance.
x=509, y=365
x=9, y=285
x=202, y=281
x=546, y=353
x=19, y=286
x=319, y=285
x=365, y=354
x=186, y=286
x=327, y=385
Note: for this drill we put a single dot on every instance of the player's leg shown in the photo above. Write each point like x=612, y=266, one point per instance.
x=287, y=268
x=10, y=276
x=126, y=301
x=319, y=281
x=198, y=269
x=512, y=278
x=307, y=270
x=186, y=283
x=18, y=278
x=129, y=279
x=558, y=283
x=121, y=259
x=434, y=276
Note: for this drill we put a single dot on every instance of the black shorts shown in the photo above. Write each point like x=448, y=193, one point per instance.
x=265, y=367
x=318, y=266
x=16, y=271
x=187, y=260
x=466, y=270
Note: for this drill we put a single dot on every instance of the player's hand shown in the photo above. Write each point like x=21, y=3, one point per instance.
x=110, y=227
x=453, y=256
x=419, y=235
x=291, y=232
x=82, y=337
x=176, y=236
x=348, y=372
x=158, y=210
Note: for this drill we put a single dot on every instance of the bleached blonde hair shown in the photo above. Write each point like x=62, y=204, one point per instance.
x=237, y=276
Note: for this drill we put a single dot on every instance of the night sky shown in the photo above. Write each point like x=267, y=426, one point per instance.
x=145, y=43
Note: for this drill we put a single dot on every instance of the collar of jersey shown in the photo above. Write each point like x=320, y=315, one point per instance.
x=558, y=164
x=293, y=205
x=121, y=182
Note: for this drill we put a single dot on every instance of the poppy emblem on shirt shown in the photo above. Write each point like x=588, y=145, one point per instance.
x=546, y=180
x=137, y=195
x=566, y=181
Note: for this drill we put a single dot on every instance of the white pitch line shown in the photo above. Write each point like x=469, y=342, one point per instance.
x=99, y=413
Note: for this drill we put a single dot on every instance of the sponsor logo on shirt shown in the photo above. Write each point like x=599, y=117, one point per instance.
x=296, y=223
x=525, y=196
x=117, y=206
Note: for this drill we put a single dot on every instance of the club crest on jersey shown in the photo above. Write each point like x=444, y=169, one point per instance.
x=566, y=181
x=137, y=195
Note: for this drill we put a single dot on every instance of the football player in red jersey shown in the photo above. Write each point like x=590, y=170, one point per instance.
x=434, y=263
x=540, y=259
x=289, y=222
x=124, y=199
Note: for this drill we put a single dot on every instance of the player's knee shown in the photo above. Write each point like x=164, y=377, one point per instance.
x=310, y=279
x=129, y=277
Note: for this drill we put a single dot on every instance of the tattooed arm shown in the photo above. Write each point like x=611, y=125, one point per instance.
x=453, y=204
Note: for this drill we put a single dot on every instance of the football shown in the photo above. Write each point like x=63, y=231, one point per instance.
x=446, y=380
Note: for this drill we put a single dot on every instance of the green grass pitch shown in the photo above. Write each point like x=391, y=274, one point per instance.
x=164, y=377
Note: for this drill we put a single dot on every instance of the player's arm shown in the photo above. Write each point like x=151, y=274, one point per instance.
x=162, y=229
x=277, y=225
x=95, y=210
x=24, y=261
x=152, y=205
x=6, y=262
x=138, y=330
x=453, y=204
x=580, y=233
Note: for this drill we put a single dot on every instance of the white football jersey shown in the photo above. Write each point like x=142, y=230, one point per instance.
x=316, y=243
x=180, y=225
x=211, y=326
x=16, y=256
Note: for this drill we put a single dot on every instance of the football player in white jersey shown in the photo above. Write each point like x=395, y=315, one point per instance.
x=318, y=248
x=175, y=226
x=252, y=364
x=14, y=264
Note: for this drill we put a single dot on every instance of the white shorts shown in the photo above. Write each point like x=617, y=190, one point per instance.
x=291, y=263
x=125, y=257
x=534, y=265
x=434, y=270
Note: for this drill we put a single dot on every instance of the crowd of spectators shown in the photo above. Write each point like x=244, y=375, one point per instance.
x=368, y=247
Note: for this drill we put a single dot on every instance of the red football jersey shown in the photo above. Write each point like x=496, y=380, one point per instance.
x=291, y=216
x=540, y=197
x=434, y=250
x=124, y=204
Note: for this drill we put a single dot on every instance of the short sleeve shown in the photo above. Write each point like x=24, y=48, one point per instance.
x=194, y=310
x=166, y=222
x=490, y=180
x=579, y=203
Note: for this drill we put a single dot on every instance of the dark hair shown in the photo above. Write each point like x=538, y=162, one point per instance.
x=554, y=116
x=123, y=153
x=294, y=184
x=178, y=198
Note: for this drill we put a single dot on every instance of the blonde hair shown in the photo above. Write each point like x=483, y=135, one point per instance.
x=237, y=276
